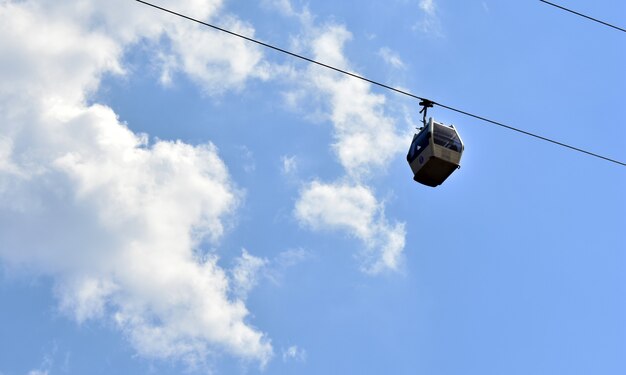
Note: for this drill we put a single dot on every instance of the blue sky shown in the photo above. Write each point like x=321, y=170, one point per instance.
x=175, y=200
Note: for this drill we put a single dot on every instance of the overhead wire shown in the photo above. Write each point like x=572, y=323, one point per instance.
x=583, y=15
x=376, y=83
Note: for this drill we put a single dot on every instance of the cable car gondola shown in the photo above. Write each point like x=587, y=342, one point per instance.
x=435, y=151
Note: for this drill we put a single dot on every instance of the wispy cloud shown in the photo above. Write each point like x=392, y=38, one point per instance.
x=365, y=142
x=291, y=257
x=391, y=58
x=48, y=362
x=247, y=159
x=286, y=8
x=279, y=265
x=245, y=273
x=428, y=6
x=289, y=164
x=294, y=353
x=429, y=23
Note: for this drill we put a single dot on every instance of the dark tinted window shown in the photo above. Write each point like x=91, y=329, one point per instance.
x=446, y=137
x=418, y=145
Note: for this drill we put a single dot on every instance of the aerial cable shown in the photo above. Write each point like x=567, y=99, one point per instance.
x=583, y=15
x=354, y=75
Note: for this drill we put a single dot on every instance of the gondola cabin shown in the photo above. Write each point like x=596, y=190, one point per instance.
x=435, y=153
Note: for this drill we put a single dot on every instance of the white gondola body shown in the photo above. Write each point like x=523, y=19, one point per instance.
x=435, y=153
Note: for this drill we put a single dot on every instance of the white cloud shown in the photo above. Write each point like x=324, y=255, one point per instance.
x=365, y=137
x=294, y=353
x=47, y=362
x=327, y=46
x=428, y=6
x=429, y=23
x=245, y=274
x=354, y=209
x=216, y=62
x=248, y=271
x=291, y=257
x=289, y=164
x=103, y=30
x=349, y=207
x=284, y=6
x=247, y=159
x=85, y=298
x=287, y=9
x=219, y=62
x=114, y=219
x=391, y=58
x=365, y=142
x=276, y=269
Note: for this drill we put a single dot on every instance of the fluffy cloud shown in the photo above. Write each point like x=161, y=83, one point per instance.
x=226, y=64
x=365, y=136
x=354, y=208
x=365, y=141
x=116, y=220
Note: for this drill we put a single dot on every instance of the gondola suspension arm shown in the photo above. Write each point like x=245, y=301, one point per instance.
x=425, y=103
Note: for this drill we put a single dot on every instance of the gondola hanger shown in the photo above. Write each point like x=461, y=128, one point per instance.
x=425, y=103
x=435, y=151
